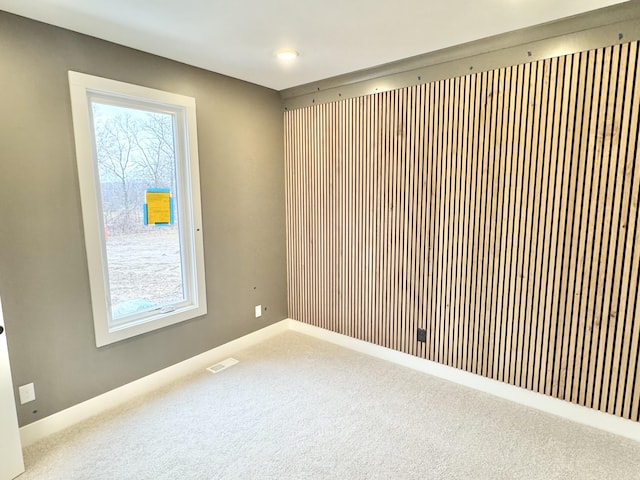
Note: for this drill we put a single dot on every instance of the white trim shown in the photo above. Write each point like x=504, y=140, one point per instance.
x=12, y=462
x=66, y=418
x=83, y=90
x=72, y=415
x=561, y=408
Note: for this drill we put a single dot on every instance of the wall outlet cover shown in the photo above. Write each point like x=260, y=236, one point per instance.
x=27, y=393
x=422, y=335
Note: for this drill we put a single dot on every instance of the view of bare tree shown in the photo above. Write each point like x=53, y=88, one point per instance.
x=135, y=151
x=154, y=140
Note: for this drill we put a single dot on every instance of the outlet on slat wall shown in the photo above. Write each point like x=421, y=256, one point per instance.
x=498, y=211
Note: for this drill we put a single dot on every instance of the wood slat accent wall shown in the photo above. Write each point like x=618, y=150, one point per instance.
x=498, y=211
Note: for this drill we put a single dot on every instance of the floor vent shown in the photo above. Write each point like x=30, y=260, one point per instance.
x=218, y=367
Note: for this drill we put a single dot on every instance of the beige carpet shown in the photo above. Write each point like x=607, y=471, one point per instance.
x=299, y=408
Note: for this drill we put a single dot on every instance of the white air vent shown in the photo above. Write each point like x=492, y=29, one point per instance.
x=218, y=367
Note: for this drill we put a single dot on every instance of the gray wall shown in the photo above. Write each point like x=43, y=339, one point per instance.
x=43, y=270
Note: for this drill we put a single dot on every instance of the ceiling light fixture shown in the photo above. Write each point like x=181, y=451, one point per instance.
x=287, y=54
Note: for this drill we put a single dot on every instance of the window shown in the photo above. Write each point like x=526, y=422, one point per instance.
x=137, y=158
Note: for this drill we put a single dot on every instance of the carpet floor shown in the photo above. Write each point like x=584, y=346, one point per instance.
x=299, y=408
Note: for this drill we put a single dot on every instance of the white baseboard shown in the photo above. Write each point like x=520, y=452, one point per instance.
x=554, y=406
x=72, y=415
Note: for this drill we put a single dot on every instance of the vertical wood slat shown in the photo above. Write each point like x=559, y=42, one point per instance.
x=597, y=206
x=546, y=139
x=521, y=218
x=512, y=249
x=592, y=181
x=626, y=380
x=462, y=311
x=602, y=224
x=579, y=227
x=617, y=231
x=563, y=89
x=498, y=210
x=503, y=219
x=506, y=337
x=565, y=224
x=480, y=297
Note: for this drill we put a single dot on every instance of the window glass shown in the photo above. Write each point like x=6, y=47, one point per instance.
x=135, y=151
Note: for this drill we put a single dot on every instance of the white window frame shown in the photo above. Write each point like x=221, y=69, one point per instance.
x=83, y=89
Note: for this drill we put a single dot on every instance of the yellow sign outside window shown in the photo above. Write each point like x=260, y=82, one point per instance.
x=158, y=207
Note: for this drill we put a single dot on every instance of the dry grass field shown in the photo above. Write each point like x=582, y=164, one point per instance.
x=145, y=266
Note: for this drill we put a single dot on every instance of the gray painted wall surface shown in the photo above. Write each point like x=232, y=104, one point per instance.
x=43, y=270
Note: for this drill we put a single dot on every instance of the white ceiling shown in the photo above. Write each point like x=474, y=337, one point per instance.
x=239, y=37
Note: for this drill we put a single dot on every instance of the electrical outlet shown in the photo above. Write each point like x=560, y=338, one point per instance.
x=258, y=311
x=27, y=393
x=422, y=335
